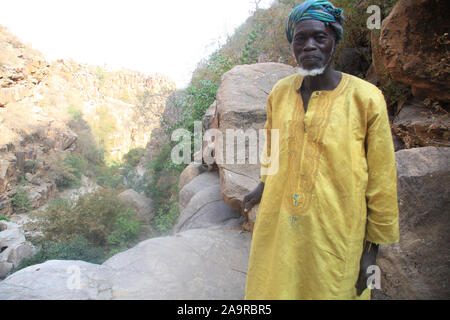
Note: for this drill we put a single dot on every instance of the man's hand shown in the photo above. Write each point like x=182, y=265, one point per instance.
x=252, y=198
x=368, y=258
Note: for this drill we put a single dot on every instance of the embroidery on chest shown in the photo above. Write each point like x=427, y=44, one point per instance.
x=292, y=220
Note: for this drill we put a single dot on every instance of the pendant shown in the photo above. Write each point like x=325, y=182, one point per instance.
x=297, y=198
x=292, y=219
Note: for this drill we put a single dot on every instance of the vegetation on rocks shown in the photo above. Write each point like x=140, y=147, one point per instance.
x=98, y=226
x=20, y=200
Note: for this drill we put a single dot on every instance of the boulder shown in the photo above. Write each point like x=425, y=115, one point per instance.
x=190, y=172
x=241, y=105
x=206, y=208
x=418, y=126
x=58, y=280
x=143, y=204
x=414, y=43
x=195, y=264
x=13, y=247
x=418, y=266
x=202, y=182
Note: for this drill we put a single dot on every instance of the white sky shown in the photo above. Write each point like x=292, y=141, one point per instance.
x=149, y=36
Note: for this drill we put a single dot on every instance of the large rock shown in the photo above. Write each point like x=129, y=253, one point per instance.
x=418, y=126
x=143, y=204
x=241, y=104
x=195, y=264
x=190, y=172
x=418, y=266
x=58, y=280
x=414, y=42
x=199, y=183
x=13, y=247
x=205, y=207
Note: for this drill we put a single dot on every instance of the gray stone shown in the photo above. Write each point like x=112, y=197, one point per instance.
x=5, y=268
x=143, y=204
x=241, y=104
x=195, y=264
x=190, y=172
x=201, y=182
x=206, y=208
x=19, y=252
x=418, y=266
x=58, y=280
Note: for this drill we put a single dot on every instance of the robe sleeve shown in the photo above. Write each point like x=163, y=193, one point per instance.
x=265, y=155
x=381, y=193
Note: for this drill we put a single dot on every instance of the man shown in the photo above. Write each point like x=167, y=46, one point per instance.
x=333, y=199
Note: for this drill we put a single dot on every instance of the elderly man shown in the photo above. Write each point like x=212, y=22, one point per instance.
x=334, y=198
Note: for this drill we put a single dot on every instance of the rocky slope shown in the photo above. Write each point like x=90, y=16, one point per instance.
x=38, y=98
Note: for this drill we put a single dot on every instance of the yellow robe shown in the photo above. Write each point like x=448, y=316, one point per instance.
x=336, y=187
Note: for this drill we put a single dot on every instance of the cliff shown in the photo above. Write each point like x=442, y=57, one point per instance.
x=51, y=108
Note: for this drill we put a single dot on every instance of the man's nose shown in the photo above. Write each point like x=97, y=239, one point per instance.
x=310, y=45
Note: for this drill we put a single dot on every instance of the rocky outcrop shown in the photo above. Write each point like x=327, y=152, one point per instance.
x=418, y=266
x=13, y=247
x=143, y=204
x=195, y=264
x=415, y=42
x=201, y=205
x=241, y=105
x=420, y=126
x=190, y=172
x=51, y=109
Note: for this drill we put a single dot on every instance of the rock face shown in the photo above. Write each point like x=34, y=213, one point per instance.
x=202, y=206
x=415, y=42
x=195, y=264
x=419, y=126
x=143, y=204
x=190, y=172
x=13, y=247
x=51, y=109
x=418, y=266
x=241, y=105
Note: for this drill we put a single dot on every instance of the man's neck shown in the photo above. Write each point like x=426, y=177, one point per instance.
x=328, y=80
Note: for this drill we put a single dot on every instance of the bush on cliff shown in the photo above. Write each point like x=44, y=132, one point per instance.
x=99, y=225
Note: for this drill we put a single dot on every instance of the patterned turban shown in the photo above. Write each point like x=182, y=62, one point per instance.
x=316, y=10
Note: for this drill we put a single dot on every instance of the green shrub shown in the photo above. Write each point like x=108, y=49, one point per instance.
x=21, y=180
x=108, y=176
x=2, y=217
x=95, y=216
x=132, y=157
x=74, y=112
x=20, y=200
x=126, y=228
x=30, y=166
x=76, y=248
x=67, y=171
x=166, y=217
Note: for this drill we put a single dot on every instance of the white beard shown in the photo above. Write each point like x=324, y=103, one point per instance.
x=310, y=73
x=313, y=72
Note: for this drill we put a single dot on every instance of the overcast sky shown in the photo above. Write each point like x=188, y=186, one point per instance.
x=166, y=36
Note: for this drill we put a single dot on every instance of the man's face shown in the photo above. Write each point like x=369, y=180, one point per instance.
x=313, y=44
